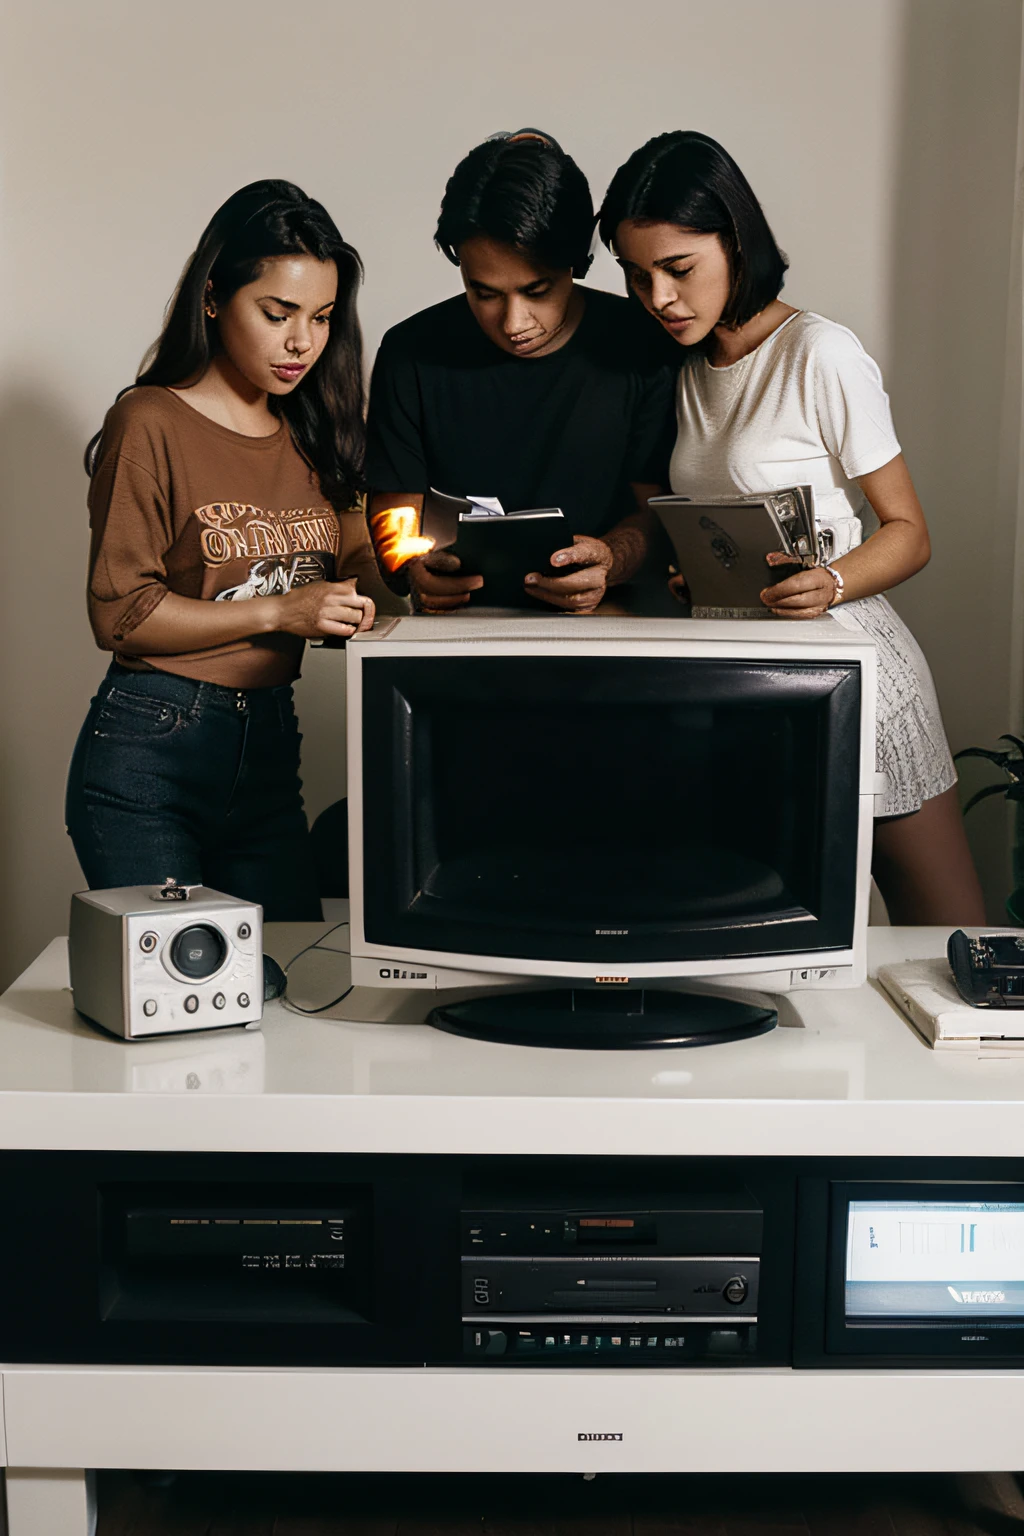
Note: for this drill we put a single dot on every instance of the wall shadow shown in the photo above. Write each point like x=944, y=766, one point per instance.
x=951, y=253
x=51, y=667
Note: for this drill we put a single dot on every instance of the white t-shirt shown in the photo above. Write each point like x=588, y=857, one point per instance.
x=806, y=407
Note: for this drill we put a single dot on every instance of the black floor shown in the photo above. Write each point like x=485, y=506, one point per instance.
x=268, y=1504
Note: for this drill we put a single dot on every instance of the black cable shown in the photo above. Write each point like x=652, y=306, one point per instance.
x=315, y=944
x=294, y=1007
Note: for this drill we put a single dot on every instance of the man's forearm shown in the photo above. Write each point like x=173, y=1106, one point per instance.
x=629, y=542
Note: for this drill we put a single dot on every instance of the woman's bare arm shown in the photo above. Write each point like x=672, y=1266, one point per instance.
x=895, y=551
x=180, y=624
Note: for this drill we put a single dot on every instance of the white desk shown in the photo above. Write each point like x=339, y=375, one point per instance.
x=844, y=1074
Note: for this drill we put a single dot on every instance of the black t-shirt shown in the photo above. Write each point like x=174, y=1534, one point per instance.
x=452, y=411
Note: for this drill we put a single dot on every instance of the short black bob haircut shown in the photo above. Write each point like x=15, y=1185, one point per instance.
x=688, y=179
x=523, y=190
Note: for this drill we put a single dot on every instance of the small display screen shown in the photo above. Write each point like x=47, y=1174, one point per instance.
x=934, y=1259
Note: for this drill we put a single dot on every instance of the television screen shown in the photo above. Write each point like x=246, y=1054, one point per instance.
x=934, y=1259
x=609, y=808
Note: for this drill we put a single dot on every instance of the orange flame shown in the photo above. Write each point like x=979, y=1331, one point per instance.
x=396, y=536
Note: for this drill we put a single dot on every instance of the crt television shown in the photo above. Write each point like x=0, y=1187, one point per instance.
x=620, y=811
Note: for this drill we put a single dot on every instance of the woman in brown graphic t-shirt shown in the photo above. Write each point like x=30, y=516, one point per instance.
x=225, y=533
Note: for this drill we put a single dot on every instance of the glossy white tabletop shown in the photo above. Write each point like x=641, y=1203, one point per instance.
x=843, y=1074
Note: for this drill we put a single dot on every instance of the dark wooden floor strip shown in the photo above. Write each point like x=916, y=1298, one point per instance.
x=222, y=1504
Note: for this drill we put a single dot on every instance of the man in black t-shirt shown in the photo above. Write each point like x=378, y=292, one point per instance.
x=526, y=387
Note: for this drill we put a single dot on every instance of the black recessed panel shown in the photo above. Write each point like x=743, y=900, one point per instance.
x=509, y=1262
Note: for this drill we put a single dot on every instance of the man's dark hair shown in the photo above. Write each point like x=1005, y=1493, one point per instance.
x=688, y=179
x=523, y=191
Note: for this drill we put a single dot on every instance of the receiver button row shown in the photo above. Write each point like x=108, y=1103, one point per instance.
x=540, y=1343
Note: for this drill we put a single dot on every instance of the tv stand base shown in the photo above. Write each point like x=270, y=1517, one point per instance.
x=615, y=1018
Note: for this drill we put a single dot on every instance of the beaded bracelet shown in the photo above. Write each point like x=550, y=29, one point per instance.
x=837, y=596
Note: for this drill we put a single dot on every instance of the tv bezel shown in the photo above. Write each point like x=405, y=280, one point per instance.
x=772, y=641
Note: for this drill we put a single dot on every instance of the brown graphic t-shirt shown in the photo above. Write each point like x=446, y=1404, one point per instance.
x=181, y=504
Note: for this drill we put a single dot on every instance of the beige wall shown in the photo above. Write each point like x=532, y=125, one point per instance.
x=879, y=134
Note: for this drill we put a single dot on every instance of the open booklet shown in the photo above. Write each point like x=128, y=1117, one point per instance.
x=502, y=547
x=721, y=546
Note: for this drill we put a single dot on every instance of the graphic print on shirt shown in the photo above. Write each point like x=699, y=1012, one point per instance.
x=284, y=549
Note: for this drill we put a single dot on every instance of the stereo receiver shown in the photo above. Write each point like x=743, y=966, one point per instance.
x=637, y=1283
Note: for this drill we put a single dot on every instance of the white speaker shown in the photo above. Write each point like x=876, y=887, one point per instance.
x=156, y=959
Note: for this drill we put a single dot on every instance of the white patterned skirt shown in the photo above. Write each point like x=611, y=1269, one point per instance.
x=910, y=743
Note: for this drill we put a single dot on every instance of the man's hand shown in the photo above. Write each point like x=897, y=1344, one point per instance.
x=807, y=595
x=583, y=588
x=322, y=608
x=436, y=585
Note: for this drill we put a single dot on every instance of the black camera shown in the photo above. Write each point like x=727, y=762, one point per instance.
x=989, y=969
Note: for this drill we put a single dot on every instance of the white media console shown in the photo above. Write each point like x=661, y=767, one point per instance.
x=844, y=1075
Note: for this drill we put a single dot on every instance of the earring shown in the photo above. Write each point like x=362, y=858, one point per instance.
x=211, y=313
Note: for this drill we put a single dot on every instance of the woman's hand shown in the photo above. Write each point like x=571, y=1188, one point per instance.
x=323, y=608
x=893, y=552
x=317, y=609
x=581, y=590
x=807, y=595
x=436, y=585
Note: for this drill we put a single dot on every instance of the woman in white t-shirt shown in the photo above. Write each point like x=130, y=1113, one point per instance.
x=771, y=396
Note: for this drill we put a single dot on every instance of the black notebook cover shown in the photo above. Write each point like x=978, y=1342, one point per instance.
x=501, y=549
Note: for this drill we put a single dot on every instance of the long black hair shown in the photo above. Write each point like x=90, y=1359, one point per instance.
x=325, y=412
x=688, y=179
x=523, y=190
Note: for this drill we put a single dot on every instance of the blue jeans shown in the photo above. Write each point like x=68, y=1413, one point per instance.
x=175, y=777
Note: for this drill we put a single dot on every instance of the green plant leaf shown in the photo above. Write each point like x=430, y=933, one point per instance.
x=1014, y=766
x=999, y=758
x=991, y=789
